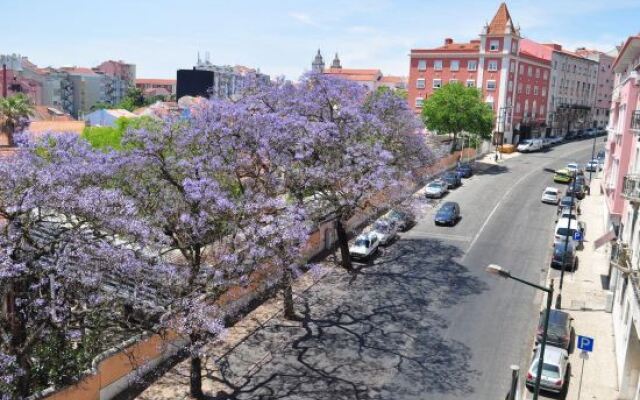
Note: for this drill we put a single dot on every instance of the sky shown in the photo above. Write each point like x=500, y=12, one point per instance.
x=281, y=37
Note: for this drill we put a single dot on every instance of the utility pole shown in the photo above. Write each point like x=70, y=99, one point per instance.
x=572, y=184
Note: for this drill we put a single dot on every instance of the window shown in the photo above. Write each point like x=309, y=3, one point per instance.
x=493, y=65
x=521, y=69
x=535, y=90
x=514, y=47
x=455, y=65
x=491, y=85
x=527, y=90
x=519, y=88
x=553, y=81
x=437, y=83
x=494, y=45
x=545, y=75
x=420, y=83
x=453, y=80
x=471, y=83
x=419, y=102
x=472, y=65
x=529, y=71
x=542, y=110
x=437, y=65
x=510, y=86
x=512, y=68
x=422, y=65
x=544, y=92
x=537, y=72
x=518, y=108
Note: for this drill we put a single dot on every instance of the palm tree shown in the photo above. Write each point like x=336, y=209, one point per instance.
x=13, y=111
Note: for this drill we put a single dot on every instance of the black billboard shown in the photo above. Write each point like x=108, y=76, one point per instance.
x=194, y=82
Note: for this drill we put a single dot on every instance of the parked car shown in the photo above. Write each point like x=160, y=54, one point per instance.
x=364, y=247
x=562, y=176
x=573, y=167
x=566, y=212
x=559, y=331
x=571, y=135
x=567, y=203
x=403, y=219
x=592, y=166
x=385, y=230
x=436, y=189
x=530, y=145
x=564, y=257
x=577, y=189
x=452, y=179
x=551, y=195
x=464, y=170
x=448, y=214
x=554, y=369
x=567, y=228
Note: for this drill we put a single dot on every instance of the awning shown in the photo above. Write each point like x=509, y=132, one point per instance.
x=607, y=237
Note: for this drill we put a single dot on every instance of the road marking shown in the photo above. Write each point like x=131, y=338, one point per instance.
x=427, y=235
x=508, y=192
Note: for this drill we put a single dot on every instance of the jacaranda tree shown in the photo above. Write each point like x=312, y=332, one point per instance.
x=205, y=182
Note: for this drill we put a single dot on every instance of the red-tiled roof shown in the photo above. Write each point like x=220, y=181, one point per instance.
x=79, y=70
x=42, y=127
x=151, y=81
x=470, y=47
x=500, y=21
x=359, y=75
x=393, y=79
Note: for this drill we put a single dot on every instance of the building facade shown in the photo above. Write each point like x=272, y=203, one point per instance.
x=512, y=82
x=157, y=87
x=72, y=89
x=534, y=89
x=604, y=85
x=621, y=185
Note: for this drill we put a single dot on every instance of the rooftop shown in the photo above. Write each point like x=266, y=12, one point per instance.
x=501, y=22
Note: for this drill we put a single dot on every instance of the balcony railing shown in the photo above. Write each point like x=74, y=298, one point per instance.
x=631, y=188
x=635, y=121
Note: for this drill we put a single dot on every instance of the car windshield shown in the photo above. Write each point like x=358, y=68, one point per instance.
x=572, y=166
x=362, y=242
x=565, y=232
x=548, y=370
x=526, y=142
x=382, y=227
x=559, y=248
x=435, y=185
x=550, y=192
x=566, y=202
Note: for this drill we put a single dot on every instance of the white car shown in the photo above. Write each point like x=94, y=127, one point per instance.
x=551, y=195
x=436, y=189
x=573, y=167
x=364, y=247
x=554, y=369
x=568, y=227
x=593, y=165
x=530, y=145
x=385, y=230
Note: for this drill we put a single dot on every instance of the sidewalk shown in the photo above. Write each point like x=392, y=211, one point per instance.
x=174, y=383
x=583, y=297
x=489, y=158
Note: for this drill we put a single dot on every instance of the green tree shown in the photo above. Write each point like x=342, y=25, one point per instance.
x=402, y=93
x=14, y=111
x=132, y=99
x=106, y=137
x=454, y=109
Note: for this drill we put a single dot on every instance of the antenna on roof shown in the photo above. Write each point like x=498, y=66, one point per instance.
x=199, y=58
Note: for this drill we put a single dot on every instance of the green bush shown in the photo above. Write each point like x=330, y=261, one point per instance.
x=105, y=137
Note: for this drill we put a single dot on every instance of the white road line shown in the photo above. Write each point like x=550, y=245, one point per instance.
x=508, y=192
x=428, y=235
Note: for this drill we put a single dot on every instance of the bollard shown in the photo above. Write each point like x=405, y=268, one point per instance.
x=515, y=374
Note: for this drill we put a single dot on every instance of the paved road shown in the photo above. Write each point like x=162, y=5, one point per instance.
x=424, y=321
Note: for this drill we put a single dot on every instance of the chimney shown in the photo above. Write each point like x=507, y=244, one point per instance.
x=448, y=41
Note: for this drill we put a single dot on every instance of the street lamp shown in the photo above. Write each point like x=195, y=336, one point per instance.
x=501, y=272
x=572, y=185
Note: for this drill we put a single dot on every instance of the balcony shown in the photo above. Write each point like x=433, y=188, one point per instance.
x=635, y=121
x=631, y=188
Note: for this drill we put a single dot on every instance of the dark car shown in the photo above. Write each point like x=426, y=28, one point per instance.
x=452, y=179
x=566, y=202
x=577, y=189
x=448, y=214
x=559, y=331
x=566, y=254
x=403, y=219
x=464, y=170
x=570, y=135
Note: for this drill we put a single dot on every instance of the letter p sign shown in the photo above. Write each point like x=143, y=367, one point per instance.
x=585, y=343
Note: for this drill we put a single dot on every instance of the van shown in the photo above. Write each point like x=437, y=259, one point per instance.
x=530, y=145
x=567, y=228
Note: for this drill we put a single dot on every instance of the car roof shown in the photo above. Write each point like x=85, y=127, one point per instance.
x=551, y=189
x=566, y=222
x=552, y=354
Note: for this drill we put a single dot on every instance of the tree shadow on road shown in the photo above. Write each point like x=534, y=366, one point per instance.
x=374, y=335
x=482, y=168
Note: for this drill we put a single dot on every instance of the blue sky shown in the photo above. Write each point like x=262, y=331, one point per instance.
x=281, y=37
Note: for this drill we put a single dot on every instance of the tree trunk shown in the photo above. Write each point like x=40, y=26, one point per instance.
x=287, y=293
x=196, y=377
x=453, y=143
x=18, y=340
x=343, y=242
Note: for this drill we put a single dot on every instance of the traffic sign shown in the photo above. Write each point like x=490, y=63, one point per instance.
x=577, y=236
x=585, y=343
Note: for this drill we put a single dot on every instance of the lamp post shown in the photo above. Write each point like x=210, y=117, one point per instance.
x=593, y=154
x=498, y=270
x=572, y=184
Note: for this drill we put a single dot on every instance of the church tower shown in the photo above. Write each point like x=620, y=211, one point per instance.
x=336, y=63
x=317, y=65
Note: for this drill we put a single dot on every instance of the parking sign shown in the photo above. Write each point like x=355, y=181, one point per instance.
x=577, y=236
x=585, y=343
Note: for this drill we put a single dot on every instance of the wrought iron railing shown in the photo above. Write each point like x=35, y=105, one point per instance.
x=635, y=120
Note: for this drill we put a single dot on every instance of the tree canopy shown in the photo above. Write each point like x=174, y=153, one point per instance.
x=454, y=109
x=14, y=112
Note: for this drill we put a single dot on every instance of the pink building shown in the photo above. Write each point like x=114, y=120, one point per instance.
x=120, y=69
x=604, y=88
x=621, y=184
x=513, y=82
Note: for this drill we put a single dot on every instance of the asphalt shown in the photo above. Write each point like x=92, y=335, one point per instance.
x=424, y=320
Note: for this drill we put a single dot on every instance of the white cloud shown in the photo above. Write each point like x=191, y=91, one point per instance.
x=304, y=18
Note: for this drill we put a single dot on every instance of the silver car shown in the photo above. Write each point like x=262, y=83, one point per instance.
x=385, y=230
x=551, y=195
x=436, y=189
x=554, y=369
